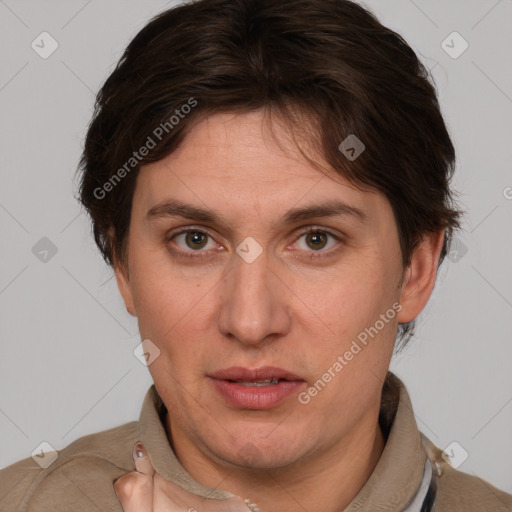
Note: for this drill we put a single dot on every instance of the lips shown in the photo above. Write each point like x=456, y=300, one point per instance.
x=258, y=388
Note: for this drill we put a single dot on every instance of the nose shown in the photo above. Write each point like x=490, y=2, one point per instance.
x=254, y=303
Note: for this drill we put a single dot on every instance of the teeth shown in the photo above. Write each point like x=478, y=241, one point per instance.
x=266, y=382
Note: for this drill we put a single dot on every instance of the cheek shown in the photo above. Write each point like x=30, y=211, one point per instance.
x=351, y=322
x=347, y=300
x=172, y=312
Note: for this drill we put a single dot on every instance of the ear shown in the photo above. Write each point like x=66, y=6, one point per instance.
x=123, y=283
x=420, y=276
x=122, y=275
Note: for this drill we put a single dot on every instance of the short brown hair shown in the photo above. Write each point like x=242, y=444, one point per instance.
x=330, y=60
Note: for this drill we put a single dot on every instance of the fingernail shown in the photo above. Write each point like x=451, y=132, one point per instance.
x=139, y=451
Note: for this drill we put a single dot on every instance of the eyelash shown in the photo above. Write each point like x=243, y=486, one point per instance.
x=201, y=254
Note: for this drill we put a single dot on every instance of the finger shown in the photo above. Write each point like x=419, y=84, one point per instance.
x=126, y=491
x=135, y=490
x=142, y=463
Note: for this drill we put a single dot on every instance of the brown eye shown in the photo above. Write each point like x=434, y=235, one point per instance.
x=192, y=241
x=316, y=240
x=196, y=239
x=317, y=243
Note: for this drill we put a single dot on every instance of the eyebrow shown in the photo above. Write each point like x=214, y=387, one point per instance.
x=175, y=208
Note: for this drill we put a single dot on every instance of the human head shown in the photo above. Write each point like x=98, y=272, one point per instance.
x=350, y=75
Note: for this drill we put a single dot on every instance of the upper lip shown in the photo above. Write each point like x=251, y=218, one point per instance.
x=238, y=373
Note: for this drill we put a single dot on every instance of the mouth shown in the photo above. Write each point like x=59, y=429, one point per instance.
x=259, y=388
x=266, y=382
x=267, y=374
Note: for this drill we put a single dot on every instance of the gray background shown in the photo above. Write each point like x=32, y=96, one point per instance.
x=67, y=366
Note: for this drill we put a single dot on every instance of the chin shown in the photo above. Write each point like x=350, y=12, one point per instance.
x=263, y=452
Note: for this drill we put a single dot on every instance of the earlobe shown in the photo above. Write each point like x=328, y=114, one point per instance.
x=420, y=276
x=123, y=283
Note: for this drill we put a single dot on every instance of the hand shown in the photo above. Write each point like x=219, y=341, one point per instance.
x=135, y=490
x=144, y=490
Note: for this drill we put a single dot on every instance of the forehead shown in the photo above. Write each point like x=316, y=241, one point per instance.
x=245, y=144
x=236, y=161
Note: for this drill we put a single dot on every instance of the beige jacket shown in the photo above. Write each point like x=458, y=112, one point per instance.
x=410, y=475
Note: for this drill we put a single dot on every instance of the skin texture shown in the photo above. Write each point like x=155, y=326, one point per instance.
x=287, y=308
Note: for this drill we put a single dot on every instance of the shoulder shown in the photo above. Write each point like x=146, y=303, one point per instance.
x=457, y=490
x=461, y=491
x=81, y=476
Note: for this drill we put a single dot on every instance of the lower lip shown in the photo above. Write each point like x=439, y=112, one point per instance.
x=256, y=397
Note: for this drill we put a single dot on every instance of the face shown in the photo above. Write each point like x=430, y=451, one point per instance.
x=248, y=266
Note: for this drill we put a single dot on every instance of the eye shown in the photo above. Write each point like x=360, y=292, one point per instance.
x=192, y=241
x=196, y=243
x=317, y=240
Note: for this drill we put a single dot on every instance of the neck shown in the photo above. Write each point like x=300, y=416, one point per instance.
x=328, y=480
